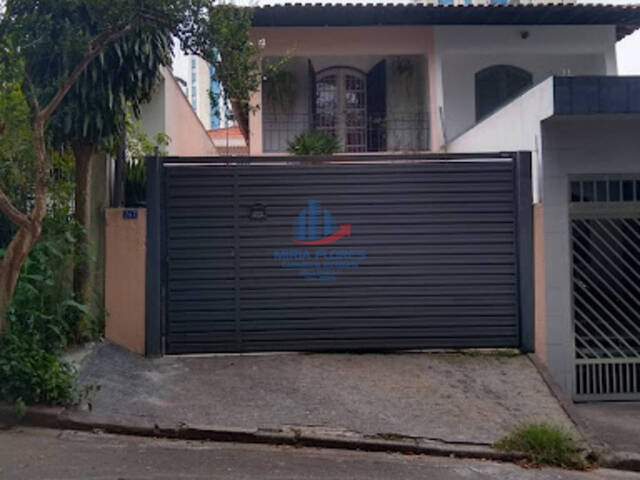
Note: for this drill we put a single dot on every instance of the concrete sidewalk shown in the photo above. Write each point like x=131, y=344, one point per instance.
x=613, y=430
x=450, y=399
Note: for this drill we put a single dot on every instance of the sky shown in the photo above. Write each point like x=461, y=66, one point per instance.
x=627, y=50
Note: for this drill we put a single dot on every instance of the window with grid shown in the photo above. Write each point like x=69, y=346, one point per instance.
x=605, y=189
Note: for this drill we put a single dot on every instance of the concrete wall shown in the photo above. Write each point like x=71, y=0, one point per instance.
x=125, y=279
x=462, y=51
x=514, y=127
x=572, y=146
x=170, y=112
x=540, y=303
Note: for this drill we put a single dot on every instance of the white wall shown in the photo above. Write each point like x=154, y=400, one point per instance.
x=514, y=127
x=463, y=51
x=575, y=145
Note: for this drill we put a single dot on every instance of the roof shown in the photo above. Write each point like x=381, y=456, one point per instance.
x=625, y=17
x=223, y=133
x=229, y=141
x=596, y=95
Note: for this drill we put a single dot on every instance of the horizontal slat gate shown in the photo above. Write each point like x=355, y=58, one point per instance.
x=430, y=261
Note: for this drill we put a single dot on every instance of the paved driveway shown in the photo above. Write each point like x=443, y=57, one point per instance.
x=447, y=397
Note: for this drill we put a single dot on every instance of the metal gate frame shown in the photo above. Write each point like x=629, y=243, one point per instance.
x=603, y=378
x=156, y=271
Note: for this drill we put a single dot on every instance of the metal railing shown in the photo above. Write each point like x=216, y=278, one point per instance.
x=356, y=132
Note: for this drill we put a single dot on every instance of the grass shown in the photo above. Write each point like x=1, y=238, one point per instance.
x=545, y=445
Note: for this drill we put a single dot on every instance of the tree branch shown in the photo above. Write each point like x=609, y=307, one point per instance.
x=97, y=46
x=9, y=209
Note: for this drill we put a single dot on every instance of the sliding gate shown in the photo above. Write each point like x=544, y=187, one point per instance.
x=339, y=254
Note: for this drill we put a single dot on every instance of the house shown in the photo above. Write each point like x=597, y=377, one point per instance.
x=489, y=78
x=488, y=180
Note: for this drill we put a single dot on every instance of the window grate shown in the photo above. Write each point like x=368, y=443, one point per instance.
x=605, y=189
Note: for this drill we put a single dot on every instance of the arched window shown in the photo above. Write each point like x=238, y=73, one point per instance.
x=497, y=85
x=341, y=106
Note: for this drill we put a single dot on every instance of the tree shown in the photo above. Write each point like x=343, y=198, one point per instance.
x=222, y=39
x=60, y=46
x=93, y=113
x=50, y=43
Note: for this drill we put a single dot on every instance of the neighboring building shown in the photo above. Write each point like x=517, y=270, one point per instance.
x=169, y=112
x=199, y=81
x=229, y=141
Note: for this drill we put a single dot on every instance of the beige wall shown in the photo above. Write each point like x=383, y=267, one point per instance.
x=125, y=277
x=539, y=284
x=170, y=112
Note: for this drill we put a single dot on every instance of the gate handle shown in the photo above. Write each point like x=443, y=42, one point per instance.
x=258, y=212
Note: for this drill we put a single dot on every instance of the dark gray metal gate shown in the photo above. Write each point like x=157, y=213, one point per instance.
x=341, y=254
x=605, y=266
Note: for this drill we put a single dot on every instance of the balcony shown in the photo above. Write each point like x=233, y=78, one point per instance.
x=356, y=131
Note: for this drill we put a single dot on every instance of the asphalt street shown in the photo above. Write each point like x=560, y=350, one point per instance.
x=29, y=453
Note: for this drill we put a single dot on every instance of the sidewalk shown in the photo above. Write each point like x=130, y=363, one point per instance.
x=431, y=402
x=613, y=429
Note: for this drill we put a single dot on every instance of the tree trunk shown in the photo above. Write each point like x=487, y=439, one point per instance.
x=83, y=151
x=241, y=119
x=10, y=266
x=29, y=233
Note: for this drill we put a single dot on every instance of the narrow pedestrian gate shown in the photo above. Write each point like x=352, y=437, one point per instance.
x=346, y=253
x=605, y=247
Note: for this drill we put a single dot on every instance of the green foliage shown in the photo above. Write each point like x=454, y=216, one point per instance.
x=118, y=81
x=17, y=170
x=43, y=304
x=135, y=184
x=545, y=444
x=314, y=143
x=222, y=39
x=138, y=148
x=53, y=36
x=278, y=89
x=30, y=374
x=43, y=323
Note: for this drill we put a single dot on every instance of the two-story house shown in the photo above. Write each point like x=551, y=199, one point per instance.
x=453, y=251
x=462, y=77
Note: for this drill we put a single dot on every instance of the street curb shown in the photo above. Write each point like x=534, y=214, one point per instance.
x=621, y=460
x=59, y=418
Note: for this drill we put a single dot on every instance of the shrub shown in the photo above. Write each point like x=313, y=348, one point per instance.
x=545, y=444
x=43, y=323
x=314, y=143
x=135, y=184
x=31, y=374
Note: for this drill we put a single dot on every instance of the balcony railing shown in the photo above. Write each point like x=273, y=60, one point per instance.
x=356, y=132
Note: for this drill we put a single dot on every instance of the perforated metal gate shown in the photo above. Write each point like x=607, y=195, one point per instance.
x=341, y=254
x=605, y=239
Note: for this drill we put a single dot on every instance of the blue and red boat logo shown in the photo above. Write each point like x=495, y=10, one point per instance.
x=316, y=226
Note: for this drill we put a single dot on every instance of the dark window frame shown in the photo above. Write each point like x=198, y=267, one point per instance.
x=503, y=83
